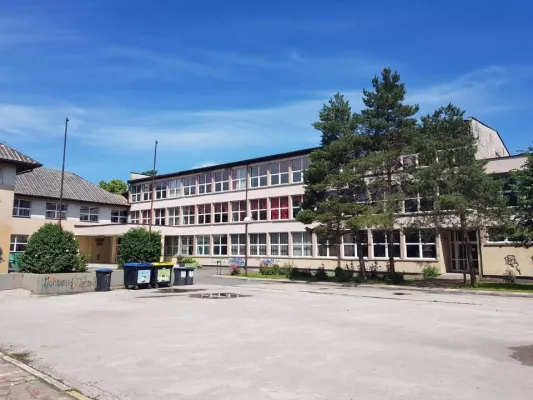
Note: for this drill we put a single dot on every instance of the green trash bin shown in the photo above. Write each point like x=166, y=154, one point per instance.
x=161, y=274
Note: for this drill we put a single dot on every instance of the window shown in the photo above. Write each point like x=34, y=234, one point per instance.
x=146, y=217
x=279, y=173
x=258, y=209
x=159, y=216
x=220, y=245
x=161, y=190
x=279, y=244
x=258, y=175
x=512, y=196
x=326, y=249
x=420, y=244
x=204, y=214
x=204, y=183
x=350, y=245
x=258, y=246
x=186, y=246
x=188, y=215
x=134, y=217
x=88, y=214
x=172, y=245
x=238, y=244
x=238, y=178
x=173, y=215
x=302, y=243
x=221, y=212
x=18, y=243
x=279, y=208
x=238, y=211
x=22, y=208
x=174, y=188
x=119, y=216
x=147, y=191
x=136, y=193
x=221, y=181
x=418, y=204
x=202, y=245
x=189, y=186
x=52, y=211
x=298, y=167
x=296, y=205
x=381, y=249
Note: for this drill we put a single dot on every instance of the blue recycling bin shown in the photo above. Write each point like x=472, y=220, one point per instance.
x=103, y=279
x=137, y=275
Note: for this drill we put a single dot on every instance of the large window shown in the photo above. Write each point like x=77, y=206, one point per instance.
x=119, y=216
x=238, y=244
x=298, y=167
x=258, y=244
x=146, y=217
x=204, y=183
x=188, y=215
x=18, y=243
x=420, y=244
x=221, y=212
x=221, y=181
x=220, y=245
x=173, y=215
x=258, y=175
x=279, y=173
x=174, y=188
x=147, y=191
x=189, y=186
x=279, y=208
x=136, y=193
x=202, y=245
x=161, y=190
x=172, y=245
x=501, y=235
x=418, y=204
x=325, y=249
x=238, y=211
x=238, y=178
x=258, y=209
x=52, y=211
x=186, y=245
x=134, y=217
x=296, y=205
x=279, y=244
x=159, y=216
x=350, y=244
x=381, y=248
x=89, y=214
x=22, y=208
x=204, y=213
x=302, y=244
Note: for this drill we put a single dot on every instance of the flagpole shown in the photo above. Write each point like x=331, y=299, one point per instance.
x=153, y=191
x=63, y=173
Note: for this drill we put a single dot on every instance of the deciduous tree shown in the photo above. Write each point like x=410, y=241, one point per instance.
x=116, y=186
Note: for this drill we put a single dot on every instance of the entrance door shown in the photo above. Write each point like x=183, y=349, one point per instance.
x=458, y=251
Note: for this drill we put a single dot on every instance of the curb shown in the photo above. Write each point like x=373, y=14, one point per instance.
x=389, y=287
x=48, y=379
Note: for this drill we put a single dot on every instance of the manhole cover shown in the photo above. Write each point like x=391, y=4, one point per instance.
x=401, y=294
x=176, y=290
x=217, y=295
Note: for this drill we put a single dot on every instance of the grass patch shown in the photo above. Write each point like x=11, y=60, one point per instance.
x=24, y=357
x=257, y=275
x=504, y=287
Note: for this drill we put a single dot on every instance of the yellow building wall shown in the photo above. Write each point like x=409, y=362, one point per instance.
x=7, y=191
x=496, y=259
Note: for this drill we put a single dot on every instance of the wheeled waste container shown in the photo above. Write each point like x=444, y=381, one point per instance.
x=183, y=275
x=103, y=279
x=137, y=275
x=161, y=274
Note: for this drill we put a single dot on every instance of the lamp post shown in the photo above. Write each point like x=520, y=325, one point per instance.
x=247, y=220
x=62, y=174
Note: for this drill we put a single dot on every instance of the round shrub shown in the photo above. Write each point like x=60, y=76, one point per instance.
x=52, y=250
x=430, y=272
x=138, y=245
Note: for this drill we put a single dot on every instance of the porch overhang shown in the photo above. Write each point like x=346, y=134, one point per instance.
x=102, y=230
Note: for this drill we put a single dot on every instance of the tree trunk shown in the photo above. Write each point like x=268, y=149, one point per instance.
x=467, y=247
x=339, y=259
x=390, y=248
x=360, y=256
x=470, y=261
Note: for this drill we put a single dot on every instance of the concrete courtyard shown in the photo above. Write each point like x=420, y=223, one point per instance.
x=283, y=342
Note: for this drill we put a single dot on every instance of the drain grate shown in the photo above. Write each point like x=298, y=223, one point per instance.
x=217, y=295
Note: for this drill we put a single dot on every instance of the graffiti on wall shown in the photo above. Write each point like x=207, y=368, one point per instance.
x=73, y=283
x=512, y=262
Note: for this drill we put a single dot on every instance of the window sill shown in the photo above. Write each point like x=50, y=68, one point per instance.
x=502, y=244
x=21, y=216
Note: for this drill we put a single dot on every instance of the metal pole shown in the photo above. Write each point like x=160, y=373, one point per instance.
x=62, y=173
x=246, y=222
x=153, y=190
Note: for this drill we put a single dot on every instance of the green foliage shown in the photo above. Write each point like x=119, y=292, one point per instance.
x=397, y=278
x=138, y=245
x=345, y=274
x=430, y=272
x=150, y=172
x=52, y=250
x=321, y=274
x=523, y=185
x=116, y=186
x=336, y=120
x=235, y=270
x=267, y=269
x=188, y=260
x=300, y=273
x=509, y=276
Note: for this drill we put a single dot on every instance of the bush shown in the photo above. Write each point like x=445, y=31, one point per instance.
x=138, y=245
x=321, y=274
x=430, y=272
x=374, y=271
x=286, y=269
x=509, y=276
x=52, y=250
x=345, y=274
x=300, y=273
x=267, y=269
x=397, y=278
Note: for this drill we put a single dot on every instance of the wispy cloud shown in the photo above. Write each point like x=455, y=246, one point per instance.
x=29, y=29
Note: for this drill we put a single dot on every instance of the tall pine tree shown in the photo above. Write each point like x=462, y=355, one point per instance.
x=336, y=120
x=523, y=186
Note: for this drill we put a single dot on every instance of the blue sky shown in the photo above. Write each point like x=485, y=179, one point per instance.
x=217, y=81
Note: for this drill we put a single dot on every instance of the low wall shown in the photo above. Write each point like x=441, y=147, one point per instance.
x=68, y=283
